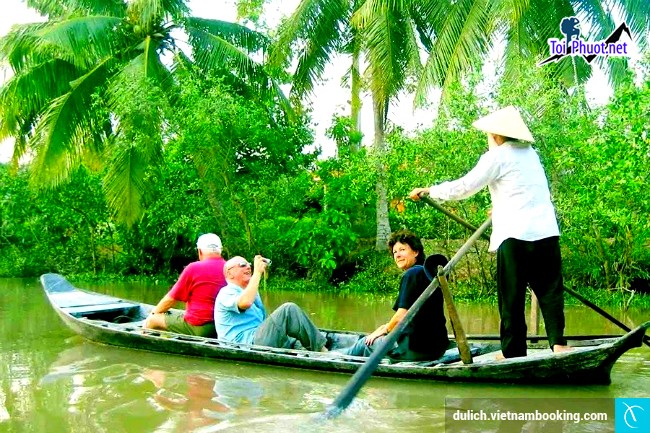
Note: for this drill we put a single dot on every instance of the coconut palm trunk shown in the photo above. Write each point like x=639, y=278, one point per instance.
x=383, y=223
x=355, y=99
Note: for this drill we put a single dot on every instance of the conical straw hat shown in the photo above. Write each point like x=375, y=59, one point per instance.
x=506, y=122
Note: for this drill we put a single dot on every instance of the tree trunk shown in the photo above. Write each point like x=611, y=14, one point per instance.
x=383, y=224
x=355, y=100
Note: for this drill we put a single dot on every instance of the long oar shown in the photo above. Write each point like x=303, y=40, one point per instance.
x=365, y=371
x=603, y=313
x=428, y=200
x=573, y=293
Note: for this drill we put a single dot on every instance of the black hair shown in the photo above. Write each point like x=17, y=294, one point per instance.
x=406, y=236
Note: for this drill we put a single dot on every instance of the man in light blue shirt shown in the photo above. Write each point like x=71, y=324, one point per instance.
x=240, y=316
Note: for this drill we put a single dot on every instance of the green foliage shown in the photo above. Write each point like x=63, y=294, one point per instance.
x=443, y=152
x=228, y=167
x=65, y=230
x=344, y=134
x=91, y=81
x=322, y=230
x=597, y=162
x=239, y=167
x=604, y=199
x=376, y=273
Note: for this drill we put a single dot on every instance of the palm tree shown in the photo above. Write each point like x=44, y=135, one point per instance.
x=94, y=84
x=388, y=40
x=393, y=36
x=316, y=31
x=464, y=31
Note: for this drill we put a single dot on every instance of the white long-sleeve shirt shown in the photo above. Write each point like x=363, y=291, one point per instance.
x=521, y=200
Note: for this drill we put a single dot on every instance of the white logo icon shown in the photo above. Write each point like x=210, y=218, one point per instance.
x=631, y=413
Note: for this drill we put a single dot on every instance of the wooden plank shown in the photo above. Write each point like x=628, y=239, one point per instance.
x=88, y=309
x=456, y=324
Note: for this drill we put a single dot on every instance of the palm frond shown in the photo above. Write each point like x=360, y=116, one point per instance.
x=389, y=51
x=318, y=48
x=236, y=34
x=125, y=183
x=315, y=31
x=214, y=52
x=636, y=14
x=176, y=9
x=66, y=8
x=19, y=46
x=62, y=131
x=152, y=65
x=27, y=93
x=528, y=25
x=600, y=20
x=80, y=40
x=460, y=43
x=427, y=17
x=139, y=107
x=370, y=9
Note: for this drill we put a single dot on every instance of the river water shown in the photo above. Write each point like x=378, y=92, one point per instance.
x=54, y=381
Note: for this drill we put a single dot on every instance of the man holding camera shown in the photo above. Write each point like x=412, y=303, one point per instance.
x=240, y=316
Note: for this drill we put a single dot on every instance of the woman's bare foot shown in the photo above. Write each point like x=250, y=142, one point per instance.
x=500, y=356
x=557, y=348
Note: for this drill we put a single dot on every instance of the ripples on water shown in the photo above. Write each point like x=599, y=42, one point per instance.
x=154, y=393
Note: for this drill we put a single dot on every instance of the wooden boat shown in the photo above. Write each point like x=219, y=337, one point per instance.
x=110, y=320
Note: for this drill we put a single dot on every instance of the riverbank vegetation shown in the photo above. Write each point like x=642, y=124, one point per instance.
x=204, y=155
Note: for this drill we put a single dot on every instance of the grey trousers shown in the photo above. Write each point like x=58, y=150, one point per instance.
x=286, y=323
x=361, y=349
x=399, y=352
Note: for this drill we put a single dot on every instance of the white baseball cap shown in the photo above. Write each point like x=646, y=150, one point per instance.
x=209, y=242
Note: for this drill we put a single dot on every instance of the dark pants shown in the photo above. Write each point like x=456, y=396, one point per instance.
x=287, y=324
x=538, y=264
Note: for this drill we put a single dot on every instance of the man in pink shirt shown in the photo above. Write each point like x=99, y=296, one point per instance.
x=197, y=286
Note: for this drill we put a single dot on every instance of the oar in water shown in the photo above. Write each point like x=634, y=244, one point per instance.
x=603, y=313
x=365, y=371
x=573, y=293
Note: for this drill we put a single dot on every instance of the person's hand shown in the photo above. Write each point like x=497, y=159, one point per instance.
x=260, y=264
x=379, y=332
x=415, y=194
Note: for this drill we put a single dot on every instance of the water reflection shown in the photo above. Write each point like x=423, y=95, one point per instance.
x=123, y=390
x=111, y=389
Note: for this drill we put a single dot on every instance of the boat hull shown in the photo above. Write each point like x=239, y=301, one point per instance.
x=86, y=314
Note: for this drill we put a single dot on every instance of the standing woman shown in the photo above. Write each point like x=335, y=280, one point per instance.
x=425, y=338
x=525, y=232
